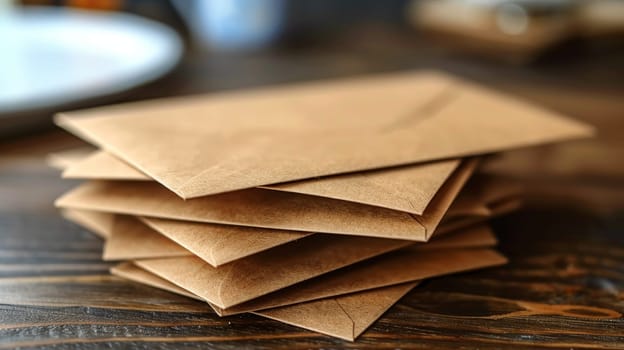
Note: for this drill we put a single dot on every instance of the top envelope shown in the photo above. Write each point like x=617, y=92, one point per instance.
x=203, y=145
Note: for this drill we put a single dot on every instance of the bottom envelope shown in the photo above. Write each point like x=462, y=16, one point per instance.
x=345, y=317
x=344, y=304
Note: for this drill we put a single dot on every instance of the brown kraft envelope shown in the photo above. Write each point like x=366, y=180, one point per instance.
x=129, y=238
x=220, y=244
x=268, y=271
x=216, y=244
x=274, y=135
x=140, y=238
x=263, y=273
x=417, y=184
x=406, y=188
x=344, y=317
x=338, y=285
x=405, y=265
x=269, y=209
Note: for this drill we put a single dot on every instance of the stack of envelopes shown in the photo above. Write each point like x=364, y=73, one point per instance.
x=318, y=205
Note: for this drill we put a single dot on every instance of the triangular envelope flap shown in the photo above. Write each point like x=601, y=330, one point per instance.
x=344, y=317
x=100, y=223
x=130, y=271
x=442, y=201
x=215, y=244
x=268, y=271
x=335, y=316
x=417, y=183
x=251, y=207
x=406, y=188
x=365, y=308
x=324, y=316
x=397, y=267
x=400, y=126
x=131, y=239
x=220, y=244
x=294, y=116
x=269, y=209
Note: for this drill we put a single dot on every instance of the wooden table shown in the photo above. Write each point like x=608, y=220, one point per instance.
x=564, y=287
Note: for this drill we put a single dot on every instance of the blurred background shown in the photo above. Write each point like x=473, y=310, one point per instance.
x=59, y=55
x=564, y=54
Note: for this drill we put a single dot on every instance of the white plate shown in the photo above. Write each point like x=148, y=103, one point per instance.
x=54, y=56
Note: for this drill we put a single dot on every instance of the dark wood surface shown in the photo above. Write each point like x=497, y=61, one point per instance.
x=564, y=287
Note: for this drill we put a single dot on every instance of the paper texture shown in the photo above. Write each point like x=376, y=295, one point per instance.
x=391, y=269
x=344, y=317
x=269, y=209
x=216, y=244
x=221, y=244
x=268, y=271
x=132, y=272
x=407, y=188
x=311, y=314
x=131, y=239
x=273, y=135
x=418, y=261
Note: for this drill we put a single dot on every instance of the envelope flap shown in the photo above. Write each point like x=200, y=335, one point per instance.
x=441, y=203
x=408, y=188
x=398, y=267
x=367, y=307
x=131, y=239
x=296, y=262
x=324, y=316
x=296, y=116
x=132, y=272
x=251, y=207
x=391, y=117
x=268, y=271
x=345, y=317
x=190, y=273
x=221, y=244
